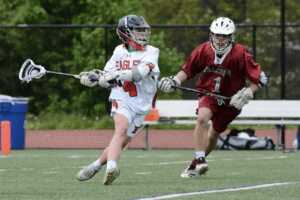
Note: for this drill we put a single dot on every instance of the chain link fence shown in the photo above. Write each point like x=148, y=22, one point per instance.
x=262, y=40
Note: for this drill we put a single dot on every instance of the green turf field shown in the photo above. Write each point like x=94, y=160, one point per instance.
x=51, y=174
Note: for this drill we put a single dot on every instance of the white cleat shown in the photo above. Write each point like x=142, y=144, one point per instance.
x=111, y=175
x=86, y=173
x=201, y=166
x=189, y=173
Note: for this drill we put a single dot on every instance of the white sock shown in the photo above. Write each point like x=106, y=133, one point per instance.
x=200, y=154
x=111, y=164
x=97, y=165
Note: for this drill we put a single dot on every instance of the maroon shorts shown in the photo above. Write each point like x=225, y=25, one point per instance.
x=222, y=115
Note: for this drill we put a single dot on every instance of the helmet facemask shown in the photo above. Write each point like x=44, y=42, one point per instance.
x=139, y=38
x=221, y=34
x=221, y=43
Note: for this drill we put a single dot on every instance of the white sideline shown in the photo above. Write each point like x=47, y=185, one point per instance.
x=168, y=196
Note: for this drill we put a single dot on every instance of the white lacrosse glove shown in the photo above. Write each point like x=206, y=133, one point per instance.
x=241, y=98
x=110, y=79
x=85, y=78
x=166, y=83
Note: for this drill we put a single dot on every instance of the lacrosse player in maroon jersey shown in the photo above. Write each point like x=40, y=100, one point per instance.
x=134, y=68
x=225, y=66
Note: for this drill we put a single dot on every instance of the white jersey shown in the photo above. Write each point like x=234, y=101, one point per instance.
x=140, y=96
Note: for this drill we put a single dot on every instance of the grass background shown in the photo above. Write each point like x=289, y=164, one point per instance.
x=51, y=174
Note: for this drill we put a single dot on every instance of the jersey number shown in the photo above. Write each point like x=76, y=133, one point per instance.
x=130, y=87
x=217, y=87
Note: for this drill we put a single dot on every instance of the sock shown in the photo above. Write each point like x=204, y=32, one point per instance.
x=200, y=154
x=111, y=164
x=97, y=165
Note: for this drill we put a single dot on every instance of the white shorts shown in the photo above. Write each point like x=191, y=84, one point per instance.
x=135, y=119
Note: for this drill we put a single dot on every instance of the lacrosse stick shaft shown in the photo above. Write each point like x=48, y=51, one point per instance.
x=201, y=92
x=68, y=75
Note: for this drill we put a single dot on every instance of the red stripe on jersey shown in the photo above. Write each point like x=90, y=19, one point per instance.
x=115, y=104
x=154, y=100
x=151, y=66
x=135, y=130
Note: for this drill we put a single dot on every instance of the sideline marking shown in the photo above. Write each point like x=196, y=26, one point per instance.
x=168, y=196
x=143, y=173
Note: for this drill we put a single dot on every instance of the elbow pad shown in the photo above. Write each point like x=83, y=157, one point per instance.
x=139, y=72
x=136, y=74
x=262, y=80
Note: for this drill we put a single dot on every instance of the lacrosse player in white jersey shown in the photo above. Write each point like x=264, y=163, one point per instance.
x=131, y=74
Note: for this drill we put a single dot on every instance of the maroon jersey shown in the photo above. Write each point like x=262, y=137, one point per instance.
x=224, y=78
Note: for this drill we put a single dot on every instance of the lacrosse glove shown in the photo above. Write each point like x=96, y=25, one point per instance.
x=85, y=78
x=110, y=78
x=166, y=83
x=241, y=98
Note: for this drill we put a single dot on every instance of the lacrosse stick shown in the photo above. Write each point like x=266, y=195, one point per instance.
x=201, y=92
x=198, y=91
x=30, y=71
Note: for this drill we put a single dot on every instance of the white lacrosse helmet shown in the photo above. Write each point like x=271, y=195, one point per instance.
x=222, y=26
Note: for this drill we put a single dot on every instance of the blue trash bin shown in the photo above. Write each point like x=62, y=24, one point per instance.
x=14, y=110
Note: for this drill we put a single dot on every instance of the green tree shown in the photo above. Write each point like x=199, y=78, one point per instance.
x=68, y=50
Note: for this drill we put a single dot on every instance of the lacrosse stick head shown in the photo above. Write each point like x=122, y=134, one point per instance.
x=29, y=71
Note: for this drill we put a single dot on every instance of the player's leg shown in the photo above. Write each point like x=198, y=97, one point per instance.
x=121, y=111
x=103, y=159
x=200, y=139
x=134, y=121
x=116, y=143
x=112, y=173
x=212, y=140
x=89, y=171
x=115, y=148
x=220, y=121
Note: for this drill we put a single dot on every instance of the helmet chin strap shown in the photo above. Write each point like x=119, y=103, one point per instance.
x=132, y=43
x=136, y=45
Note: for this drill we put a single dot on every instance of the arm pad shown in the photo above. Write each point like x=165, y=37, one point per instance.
x=136, y=74
x=262, y=80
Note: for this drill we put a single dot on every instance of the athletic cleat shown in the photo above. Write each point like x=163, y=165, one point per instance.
x=190, y=171
x=201, y=166
x=111, y=175
x=86, y=173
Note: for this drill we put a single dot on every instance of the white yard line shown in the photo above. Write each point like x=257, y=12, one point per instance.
x=143, y=173
x=176, y=195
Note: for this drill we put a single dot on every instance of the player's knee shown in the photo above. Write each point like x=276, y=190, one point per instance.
x=121, y=130
x=202, y=121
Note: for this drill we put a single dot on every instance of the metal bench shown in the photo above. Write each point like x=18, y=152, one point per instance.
x=257, y=112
